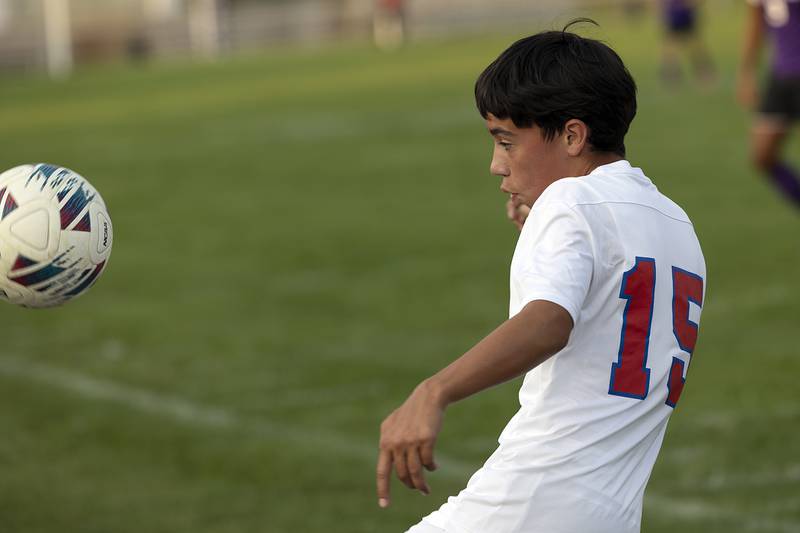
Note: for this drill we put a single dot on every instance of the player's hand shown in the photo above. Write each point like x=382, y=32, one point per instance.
x=747, y=90
x=408, y=436
x=517, y=212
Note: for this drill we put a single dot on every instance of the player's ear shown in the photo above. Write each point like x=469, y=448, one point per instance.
x=576, y=135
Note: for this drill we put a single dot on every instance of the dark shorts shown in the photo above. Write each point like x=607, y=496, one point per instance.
x=781, y=99
x=680, y=21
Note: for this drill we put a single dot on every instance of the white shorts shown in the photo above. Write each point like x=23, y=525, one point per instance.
x=424, y=527
x=581, y=515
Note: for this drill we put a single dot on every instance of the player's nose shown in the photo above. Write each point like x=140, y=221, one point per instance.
x=498, y=167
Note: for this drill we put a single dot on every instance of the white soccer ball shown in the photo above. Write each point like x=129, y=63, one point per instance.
x=55, y=235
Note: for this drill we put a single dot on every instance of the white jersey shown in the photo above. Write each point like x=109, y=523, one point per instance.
x=625, y=262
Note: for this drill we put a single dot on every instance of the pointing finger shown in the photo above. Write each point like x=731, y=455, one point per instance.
x=383, y=477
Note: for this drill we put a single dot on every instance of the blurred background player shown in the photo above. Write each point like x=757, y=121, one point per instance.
x=389, y=23
x=682, y=36
x=779, y=105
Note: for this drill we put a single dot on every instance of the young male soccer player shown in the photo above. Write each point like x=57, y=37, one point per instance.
x=607, y=282
x=681, y=32
x=780, y=104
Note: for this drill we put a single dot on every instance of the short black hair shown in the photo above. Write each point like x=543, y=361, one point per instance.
x=554, y=76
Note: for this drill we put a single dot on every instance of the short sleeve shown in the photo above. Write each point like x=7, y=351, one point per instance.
x=554, y=259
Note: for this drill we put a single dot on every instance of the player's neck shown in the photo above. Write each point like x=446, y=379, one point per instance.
x=596, y=159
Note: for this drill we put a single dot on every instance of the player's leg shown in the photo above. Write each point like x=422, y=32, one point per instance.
x=670, y=69
x=699, y=56
x=679, y=27
x=769, y=135
x=702, y=64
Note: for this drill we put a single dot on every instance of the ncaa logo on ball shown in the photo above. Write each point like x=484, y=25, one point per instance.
x=55, y=235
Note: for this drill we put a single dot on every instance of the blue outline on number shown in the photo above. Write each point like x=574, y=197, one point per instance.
x=669, y=378
x=615, y=366
x=696, y=327
x=688, y=299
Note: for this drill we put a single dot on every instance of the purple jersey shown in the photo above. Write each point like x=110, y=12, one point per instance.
x=783, y=18
x=675, y=5
x=676, y=8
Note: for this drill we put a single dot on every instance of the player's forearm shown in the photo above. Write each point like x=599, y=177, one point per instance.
x=521, y=343
x=753, y=37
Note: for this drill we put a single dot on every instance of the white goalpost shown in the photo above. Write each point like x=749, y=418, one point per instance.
x=58, y=37
x=4, y=14
x=204, y=30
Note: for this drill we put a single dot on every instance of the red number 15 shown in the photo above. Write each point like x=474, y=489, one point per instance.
x=630, y=376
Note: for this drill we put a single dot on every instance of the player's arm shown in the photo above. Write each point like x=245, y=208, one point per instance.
x=746, y=88
x=518, y=345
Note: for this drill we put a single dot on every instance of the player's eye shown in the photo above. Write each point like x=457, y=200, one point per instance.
x=505, y=145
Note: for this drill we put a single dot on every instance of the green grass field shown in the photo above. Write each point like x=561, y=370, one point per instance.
x=302, y=236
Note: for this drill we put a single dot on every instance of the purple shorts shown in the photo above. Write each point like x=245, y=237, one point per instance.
x=781, y=99
x=680, y=21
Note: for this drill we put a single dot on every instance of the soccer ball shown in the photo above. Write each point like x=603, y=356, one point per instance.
x=55, y=235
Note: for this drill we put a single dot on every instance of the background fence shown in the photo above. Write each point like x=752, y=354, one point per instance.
x=54, y=34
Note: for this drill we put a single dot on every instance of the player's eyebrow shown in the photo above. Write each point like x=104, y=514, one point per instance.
x=501, y=131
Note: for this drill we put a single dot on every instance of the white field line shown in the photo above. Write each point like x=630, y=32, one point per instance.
x=680, y=456
x=719, y=419
x=181, y=410
x=754, y=300
x=789, y=505
x=719, y=481
x=698, y=511
x=167, y=406
x=342, y=394
x=138, y=399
